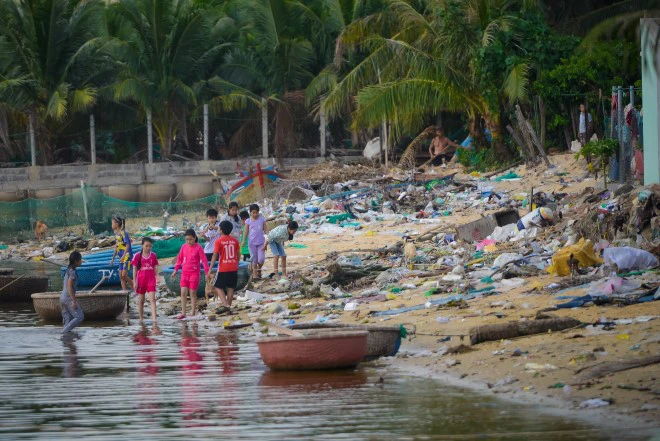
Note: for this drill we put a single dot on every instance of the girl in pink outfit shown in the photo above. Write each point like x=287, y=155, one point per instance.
x=145, y=268
x=189, y=259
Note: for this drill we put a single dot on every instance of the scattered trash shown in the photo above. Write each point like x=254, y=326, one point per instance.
x=629, y=259
x=594, y=403
x=582, y=252
x=539, y=367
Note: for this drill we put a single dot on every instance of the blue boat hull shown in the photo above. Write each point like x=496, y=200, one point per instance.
x=92, y=274
x=243, y=277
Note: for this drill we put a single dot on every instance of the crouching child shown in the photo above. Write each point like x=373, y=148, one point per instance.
x=276, y=239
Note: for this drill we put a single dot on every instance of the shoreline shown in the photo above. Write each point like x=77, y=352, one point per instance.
x=606, y=418
x=541, y=368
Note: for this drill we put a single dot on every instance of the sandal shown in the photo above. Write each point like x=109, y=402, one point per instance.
x=222, y=310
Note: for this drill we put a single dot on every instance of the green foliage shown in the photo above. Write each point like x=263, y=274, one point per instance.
x=602, y=149
x=481, y=160
x=605, y=65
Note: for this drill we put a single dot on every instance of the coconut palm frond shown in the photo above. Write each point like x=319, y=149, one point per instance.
x=83, y=99
x=410, y=153
x=516, y=83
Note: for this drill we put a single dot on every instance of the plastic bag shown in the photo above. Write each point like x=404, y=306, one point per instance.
x=583, y=251
x=505, y=258
x=629, y=259
x=612, y=285
x=502, y=234
x=349, y=260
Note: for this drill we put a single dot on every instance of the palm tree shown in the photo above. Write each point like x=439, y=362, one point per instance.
x=270, y=66
x=166, y=52
x=421, y=58
x=49, y=61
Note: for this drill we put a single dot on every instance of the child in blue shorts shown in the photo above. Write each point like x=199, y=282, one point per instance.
x=276, y=239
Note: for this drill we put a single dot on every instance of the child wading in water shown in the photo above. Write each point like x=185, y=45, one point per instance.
x=124, y=250
x=276, y=238
x=226, y=253
x=233, y=218
x=245, y=250
x=190, y=256
x=145, y=268
x=211, y=232
x=256, y=229
x=72, y=313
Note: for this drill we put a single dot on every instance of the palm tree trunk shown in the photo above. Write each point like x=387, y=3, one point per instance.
x=493, y=122
x=166, y=127
x=476, y=131
x=33, y=142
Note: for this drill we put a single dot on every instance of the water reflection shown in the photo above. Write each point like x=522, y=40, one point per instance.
x=188, y=381
x=147, y=368
x=72, y=367
x=192, y=406
x=314, y=380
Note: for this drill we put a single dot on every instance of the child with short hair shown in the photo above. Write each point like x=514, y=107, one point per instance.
x=124, y=250
x=189, y=257
x=245, y=250
x=233, y=218
x=276, y=239
x=211, y=232
x=256, y=229
x=226, y=253
x=72, y=313
x=145, y=268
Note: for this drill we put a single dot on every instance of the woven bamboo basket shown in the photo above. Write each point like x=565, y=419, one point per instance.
x=319, y=350
x=383, y=341
x=100, y=305
x=19, y=288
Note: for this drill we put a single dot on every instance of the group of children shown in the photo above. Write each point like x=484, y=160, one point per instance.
x=233, y=235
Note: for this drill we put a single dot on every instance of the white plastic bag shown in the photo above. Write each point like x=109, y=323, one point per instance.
x=372, y=149
x=505, y=258
x=629, y=259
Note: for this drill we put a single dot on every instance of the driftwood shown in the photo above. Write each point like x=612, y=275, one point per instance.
x=537, y=143
x=431, y=233
x=519, y=141
x=344, y=275
x=481, y=334
x=608, y=368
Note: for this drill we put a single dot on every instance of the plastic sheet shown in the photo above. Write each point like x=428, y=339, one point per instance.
x=612, y=285
x=583, y=251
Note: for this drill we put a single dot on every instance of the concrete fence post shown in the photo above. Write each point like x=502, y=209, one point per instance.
x=206, y=132
x=92, y=137
x=150, y=141
x=322, y=130
x=264, y=128
x=33, y=143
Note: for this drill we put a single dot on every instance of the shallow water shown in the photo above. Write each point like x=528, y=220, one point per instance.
x=120, y=380
x=194, y=381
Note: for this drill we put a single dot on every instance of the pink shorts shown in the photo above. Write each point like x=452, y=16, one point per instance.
x=190, y=280
x=146, y=282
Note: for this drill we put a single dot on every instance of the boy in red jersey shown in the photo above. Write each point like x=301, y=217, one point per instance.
x=226, y=251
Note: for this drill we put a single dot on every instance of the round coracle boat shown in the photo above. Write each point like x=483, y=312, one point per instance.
x=18, y=288
x=383, y=341
x=318, y=350
x=99, y=305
